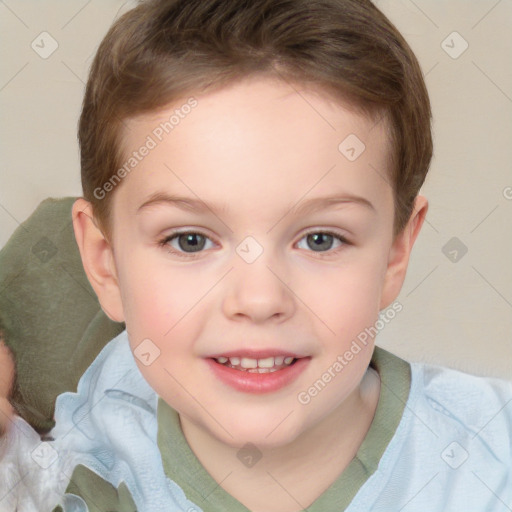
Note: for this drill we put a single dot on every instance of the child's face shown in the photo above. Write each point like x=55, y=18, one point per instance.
x=253, y=154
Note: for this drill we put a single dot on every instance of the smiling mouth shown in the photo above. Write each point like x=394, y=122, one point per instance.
x=266, y=365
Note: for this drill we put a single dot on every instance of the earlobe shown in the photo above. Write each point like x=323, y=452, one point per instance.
x=97, y=259
x=400, y=252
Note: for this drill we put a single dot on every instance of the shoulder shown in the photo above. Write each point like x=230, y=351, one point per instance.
x=472, y=406
x=470, y=396
x=452, y=449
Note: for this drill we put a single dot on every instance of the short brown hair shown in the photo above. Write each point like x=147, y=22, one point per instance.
x=163, y=50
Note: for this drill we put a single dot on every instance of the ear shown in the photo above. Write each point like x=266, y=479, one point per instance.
x=400, y=251
x=97, y=259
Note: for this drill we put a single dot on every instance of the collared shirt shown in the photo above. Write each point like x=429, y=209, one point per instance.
x=440, y=440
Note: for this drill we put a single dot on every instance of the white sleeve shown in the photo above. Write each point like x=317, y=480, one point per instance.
x=33, y=477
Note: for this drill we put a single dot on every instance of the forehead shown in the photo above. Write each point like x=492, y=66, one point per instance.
x=256, y=143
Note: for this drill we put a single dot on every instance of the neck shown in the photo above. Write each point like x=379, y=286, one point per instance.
x=296, y=474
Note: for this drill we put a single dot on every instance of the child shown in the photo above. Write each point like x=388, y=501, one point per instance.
x=287, y=142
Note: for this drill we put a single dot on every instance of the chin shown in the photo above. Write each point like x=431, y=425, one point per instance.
x=268, y=433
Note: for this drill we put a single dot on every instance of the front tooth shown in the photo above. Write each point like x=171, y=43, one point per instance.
x=279, y=360
x=266, y=363
x=235, y=361
x=288, y=360
x=248, y=363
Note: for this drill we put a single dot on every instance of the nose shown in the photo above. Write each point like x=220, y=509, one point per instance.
x=257, y=292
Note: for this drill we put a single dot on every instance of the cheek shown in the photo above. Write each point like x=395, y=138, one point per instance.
x=346, y=298
x=156, y=296
x=162, y=305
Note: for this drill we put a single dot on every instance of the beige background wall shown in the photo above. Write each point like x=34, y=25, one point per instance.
x=457, y=306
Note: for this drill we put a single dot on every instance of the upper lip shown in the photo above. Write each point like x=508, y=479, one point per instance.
x=256, y=354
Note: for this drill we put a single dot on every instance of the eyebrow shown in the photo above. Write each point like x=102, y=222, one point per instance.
x=302, y=208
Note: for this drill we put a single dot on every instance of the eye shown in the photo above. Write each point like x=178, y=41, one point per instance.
x=322, y=241
x=185, y=244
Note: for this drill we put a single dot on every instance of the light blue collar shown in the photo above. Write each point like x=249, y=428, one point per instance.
x=110, y=426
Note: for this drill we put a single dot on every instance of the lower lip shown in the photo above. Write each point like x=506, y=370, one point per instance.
x=258, y=382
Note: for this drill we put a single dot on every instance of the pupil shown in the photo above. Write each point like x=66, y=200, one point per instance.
x=192, y=240
x=318, y=240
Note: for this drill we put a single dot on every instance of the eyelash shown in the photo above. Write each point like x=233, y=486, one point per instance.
x=164, y=243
